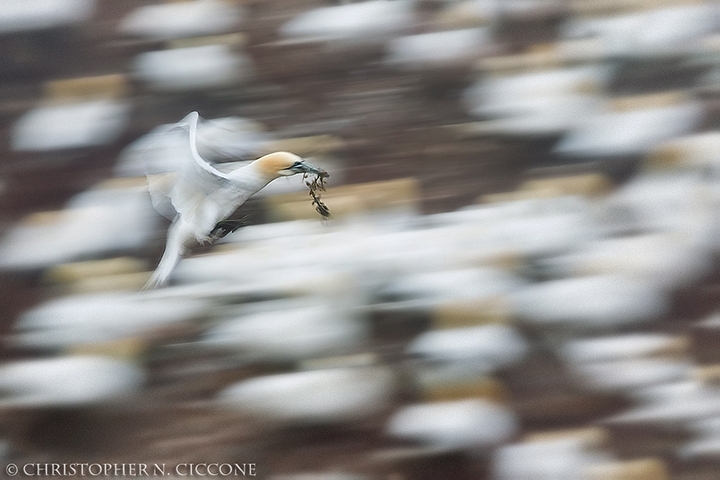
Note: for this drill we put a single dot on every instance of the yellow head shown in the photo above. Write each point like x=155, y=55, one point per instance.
x=284, y=164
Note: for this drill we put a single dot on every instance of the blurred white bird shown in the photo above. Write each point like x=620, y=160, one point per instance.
x=457, y=425
x=192, y=68
x=621, y=347
x=706, y=443
x=334, y=395
x=648, y=34
x=97, y=223
x=87, y=319
x=484, y=347
x=91, y=123
x=630, y=132
x=672, y=404
x=593, y=302
x=218, y=140
x=289, y=331
x=439, y=49
x=67, y=381
x=548, y=458
x=167, y=21
x=363, y=22
x=537, y=103
x=204, y=198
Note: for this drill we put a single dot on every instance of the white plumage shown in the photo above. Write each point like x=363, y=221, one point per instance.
x=192, y=68
x=461, y=425
x=316, y=396
x=537, y=103
x=182, y=19
x=21, y=15
x=630, y=132
x=84, y=319
x=632, y=374
x=655, y=33
x=618, y=347
x=668, y=260
x=673, y=404
x=218, y=140
x=84, y=124
x=281, y=332
x=595, y=302
x=67, y=381
x=202, y=195
x=485, y=347
x=361, y=22
x=96, y=223
x=438, y=49
x=550, y=459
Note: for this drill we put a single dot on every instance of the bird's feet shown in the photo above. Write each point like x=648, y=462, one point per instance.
x=226, y=227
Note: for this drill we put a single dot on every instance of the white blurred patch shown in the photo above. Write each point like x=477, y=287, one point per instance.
x=76, y=125
x=438, y=48
x=182, y=19
x=67, y=381
x=86, y=319
x=202, y=67
x=361, y=22
x=486, y=347
x=319, y=396
x=24, y=15
x=464, y=424
x=594, y=302
x=289, y=333
x=225, y=139
x=97, y=223
x=630, y=132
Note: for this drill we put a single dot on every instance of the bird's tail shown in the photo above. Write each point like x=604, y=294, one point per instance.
x=174, y=250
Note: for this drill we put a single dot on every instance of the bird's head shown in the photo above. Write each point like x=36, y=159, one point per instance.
x=285, y=164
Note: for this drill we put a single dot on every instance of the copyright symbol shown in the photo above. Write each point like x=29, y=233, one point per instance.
x=11, y=469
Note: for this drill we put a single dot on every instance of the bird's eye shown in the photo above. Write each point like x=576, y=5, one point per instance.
x=296, y=164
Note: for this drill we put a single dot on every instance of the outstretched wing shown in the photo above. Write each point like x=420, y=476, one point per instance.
x=195, y=189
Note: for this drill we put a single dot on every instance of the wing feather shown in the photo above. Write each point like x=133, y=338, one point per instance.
x=196, y=189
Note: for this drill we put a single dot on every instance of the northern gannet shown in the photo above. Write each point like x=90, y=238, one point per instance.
x=320, y=397
x=466, y=424
x=72, y=381
x=204, y=197
x=192, y=68
x=169, y=21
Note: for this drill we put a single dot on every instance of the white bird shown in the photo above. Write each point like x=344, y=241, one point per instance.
x=67, y=381
x=421, y=50
x=168, y=21
x=592, y=302
x=334, y=395
x=547, y=459
x=621, y=347
x=455, y=425
x=486, y=347
x=673, y=404
x=86, y=319
x=204, y=198
x=355, y=23
x=630, y=132
x=83, y=124
x=289, y=332
x=192, y=68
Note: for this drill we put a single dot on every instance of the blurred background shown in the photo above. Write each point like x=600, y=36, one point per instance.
x=519, y=280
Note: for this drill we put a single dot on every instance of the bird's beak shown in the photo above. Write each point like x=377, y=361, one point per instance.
x=304, y=167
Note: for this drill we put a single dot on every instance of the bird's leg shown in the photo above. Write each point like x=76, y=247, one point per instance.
x=227, y=226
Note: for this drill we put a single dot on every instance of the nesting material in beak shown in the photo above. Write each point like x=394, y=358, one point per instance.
x=317, y=184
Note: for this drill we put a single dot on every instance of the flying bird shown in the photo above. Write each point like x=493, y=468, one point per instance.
x=204, y=198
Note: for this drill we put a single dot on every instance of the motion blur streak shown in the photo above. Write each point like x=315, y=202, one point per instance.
x=519, y=279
